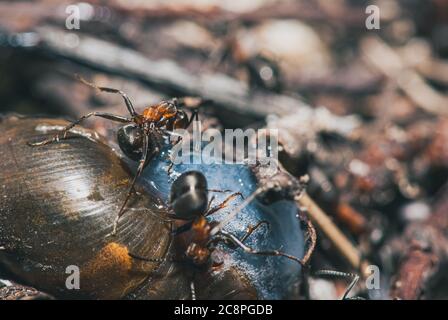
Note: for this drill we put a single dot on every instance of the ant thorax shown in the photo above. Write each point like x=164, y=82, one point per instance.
x=199, y=238
x=201, y=230
x=164, y=110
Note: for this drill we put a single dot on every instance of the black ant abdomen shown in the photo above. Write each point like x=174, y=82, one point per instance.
x=130, y=140
x=189, y=195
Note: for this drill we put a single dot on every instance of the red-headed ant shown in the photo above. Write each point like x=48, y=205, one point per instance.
x=189, y=202
x=141, y=137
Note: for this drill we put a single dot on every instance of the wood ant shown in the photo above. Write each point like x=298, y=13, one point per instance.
x=141, y=137
x=189, y=202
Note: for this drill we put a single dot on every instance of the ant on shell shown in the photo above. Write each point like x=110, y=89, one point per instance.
x=141, y=135
x=189, y=202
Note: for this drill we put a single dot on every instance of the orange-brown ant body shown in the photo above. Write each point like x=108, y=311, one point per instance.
x=141, y=137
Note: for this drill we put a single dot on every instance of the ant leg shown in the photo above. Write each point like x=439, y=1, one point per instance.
x=171, y=134
x=312, y=239
x=235, y=241
x=183, y=228
x=153, y=260
x=193, y=291
x=251, y=229
x=140, y=168
x=219, y=191
x=64, y=131
x=223, y=204
x=137, y=257
x=194, y=116
x=125, y=97
x=340, y=274
x=188, y=225
x=170, y=167
x=210, y=203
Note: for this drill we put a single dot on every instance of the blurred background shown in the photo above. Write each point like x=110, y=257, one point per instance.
x=361, y=105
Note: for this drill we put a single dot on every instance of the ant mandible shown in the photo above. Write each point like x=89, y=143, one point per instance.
x=189, y=202
x=140, y=138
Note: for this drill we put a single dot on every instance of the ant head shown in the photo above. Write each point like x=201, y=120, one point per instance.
x=181, y=121
x=189, y=195
x=130, y=140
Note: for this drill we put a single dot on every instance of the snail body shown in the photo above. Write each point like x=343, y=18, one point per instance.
x=273, y=277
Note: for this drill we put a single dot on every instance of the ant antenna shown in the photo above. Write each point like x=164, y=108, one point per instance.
x=340, y=274
x=125, y=97
x=237, y=242
x=232, y=215
x=154, y=260
x=193, y=290
x=137, y=257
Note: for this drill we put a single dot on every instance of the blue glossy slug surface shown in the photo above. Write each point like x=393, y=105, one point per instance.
x=271, y=275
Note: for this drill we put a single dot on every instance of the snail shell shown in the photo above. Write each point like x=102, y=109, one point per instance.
x=57, y=206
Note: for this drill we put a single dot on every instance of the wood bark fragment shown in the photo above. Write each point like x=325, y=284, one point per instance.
x=426, y=249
